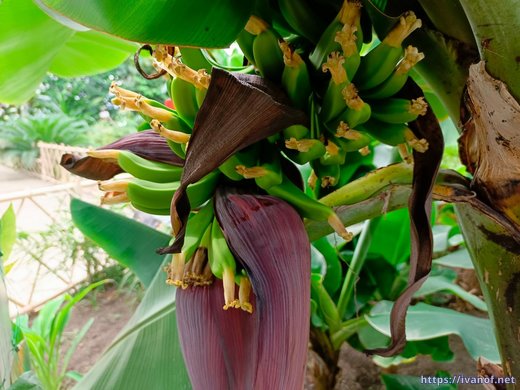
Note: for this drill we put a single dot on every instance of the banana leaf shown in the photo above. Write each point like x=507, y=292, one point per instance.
x=129, y=242
x=6, y=356
x=422, y=323
x=32, y=44
x=438, y=283
x=7, y=237
x=495, y=252
x=146, y=354
x=202, y=23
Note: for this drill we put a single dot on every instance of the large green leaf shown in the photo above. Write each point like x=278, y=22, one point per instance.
x=146, y=354
x=7, y=237
x=425, y=322
x=203, y=23
x=6, y=350
x=457, y=259
x=90, y=52
x=391, y=238
x=7, y=233
x=27, y=381
x=31, y=43
x=129, y=242
x=439, y=283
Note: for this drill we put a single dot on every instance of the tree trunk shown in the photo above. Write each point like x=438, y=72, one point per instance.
x=490, y=148
x=496, y=257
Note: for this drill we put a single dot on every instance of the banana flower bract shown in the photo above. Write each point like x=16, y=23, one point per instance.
x=266, y=349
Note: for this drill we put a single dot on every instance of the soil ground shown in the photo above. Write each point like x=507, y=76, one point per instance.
x=111, y=309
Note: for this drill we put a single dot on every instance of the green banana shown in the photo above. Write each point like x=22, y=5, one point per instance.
x=326, y=44
x=200, y=95
x=140, y=167
x=144, y=193
x=295, y=131
x=393, y=134
x=176, y=140
x=184, y=98
x=268, y=173
x=351, y=140
x=200, y=192
x=308, y=207
x=345, y=28
x=301, y=17
x=147, y=170
x=149, y=210
x=397, y=79
x=295, y=77
x=360, y=113
x=378, y=64
x=158, y=196
x=150, y=194
x=196, y=226
x=396, y=110
x=245, y=42
x=334, y=153
x=333, y=101
x=247, y=157
x=347, y=40
x=328, y=175
x=303, y=150
x=268, y=58
x=194, y=58
x=223, y=265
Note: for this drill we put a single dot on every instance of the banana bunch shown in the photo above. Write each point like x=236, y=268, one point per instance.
x=351, y=103
x=152, y=184
x=354, y=103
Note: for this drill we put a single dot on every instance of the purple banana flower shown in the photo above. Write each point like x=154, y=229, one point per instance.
x=147, y=144
x=266, y=349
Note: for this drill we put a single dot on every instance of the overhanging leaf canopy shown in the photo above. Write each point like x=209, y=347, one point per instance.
x=200, y=23
x=32, y=44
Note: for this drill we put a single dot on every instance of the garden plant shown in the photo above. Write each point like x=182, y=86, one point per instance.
x=266, y=155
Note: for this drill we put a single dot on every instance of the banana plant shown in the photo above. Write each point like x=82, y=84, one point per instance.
x=325, y=91
x=7, y=238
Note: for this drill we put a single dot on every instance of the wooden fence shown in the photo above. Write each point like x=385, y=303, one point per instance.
x=37, y=278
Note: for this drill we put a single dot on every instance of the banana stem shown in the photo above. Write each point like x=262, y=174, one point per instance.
x=374, y=182
x=347, y=329
x=358, y=259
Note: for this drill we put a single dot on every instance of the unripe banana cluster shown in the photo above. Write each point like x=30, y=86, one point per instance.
x=349, y=99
